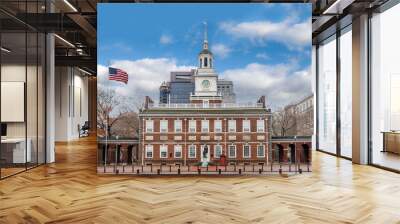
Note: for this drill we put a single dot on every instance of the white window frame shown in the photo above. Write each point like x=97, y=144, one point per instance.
x=206, y=104
x=149, y=126
x=249, y=156
x=149, y=148
x=189, y=148
x=246, y=126
x=258, y=154
x=219, y=126
x=192, y=126
x=165, y=122
x=176, y=149
x=164, y=148
x=260, y=126
x=203, y=122
x=231, y=125
x=178, y=126
x=215, y=151
x=229, y=151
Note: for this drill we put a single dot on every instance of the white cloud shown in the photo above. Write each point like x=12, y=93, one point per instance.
x=262, y=56
x=145, y=76
x=294, y=34
x=118, y=46
x=281, y=84
x=165, y=39
x=221, y=50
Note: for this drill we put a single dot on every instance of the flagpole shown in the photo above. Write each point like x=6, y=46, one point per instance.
x=106, y=124
x=108, y=112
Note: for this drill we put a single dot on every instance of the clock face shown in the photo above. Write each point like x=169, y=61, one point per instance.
x=205, y=84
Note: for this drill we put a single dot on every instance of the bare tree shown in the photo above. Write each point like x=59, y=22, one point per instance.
x=127, y=125
x=115, y=114
x=305, y=122
x=106, y=102
x=284, y=122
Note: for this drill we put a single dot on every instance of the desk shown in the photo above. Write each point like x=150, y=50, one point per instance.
x=391, y=142
x=13, y=150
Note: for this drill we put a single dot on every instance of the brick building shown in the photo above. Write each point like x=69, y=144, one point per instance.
x=297, y=119
x=206, y=128
x=192, y=133
x=305, y=116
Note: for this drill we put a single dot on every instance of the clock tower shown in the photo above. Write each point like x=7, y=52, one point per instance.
x=205, y=78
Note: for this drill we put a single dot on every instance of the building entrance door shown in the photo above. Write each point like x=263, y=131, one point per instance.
x=205, y=153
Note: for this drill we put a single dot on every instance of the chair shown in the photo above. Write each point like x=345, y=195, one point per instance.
x=84, y=130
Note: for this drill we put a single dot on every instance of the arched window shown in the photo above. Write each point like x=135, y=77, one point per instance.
x=205, y=62
x=210, y=62
x=201, y=63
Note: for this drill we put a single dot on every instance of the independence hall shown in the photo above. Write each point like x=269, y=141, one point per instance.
x=207, y=129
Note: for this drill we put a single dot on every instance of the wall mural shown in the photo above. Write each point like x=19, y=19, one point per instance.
x=210, y=89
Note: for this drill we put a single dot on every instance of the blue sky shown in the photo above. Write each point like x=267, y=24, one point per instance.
x=271, y=41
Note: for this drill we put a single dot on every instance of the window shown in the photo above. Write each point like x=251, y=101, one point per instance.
x=210, y=62
x=232, y=151
x=149, y=126
x=260, y=151
x=385, y=88
x=205, y=62
x=178, y=151
x=21, y=62
x=164, y=126
x=149, y=151
x=178, y=125
x=232, y=125
x=163, y=151
x=260, y=125
x=192, y=151
x=201, y=63
x=204, y=126
x=346, y=93
x=327, y=95
x=246, y=125
x=217, y=126
x=217, y=151
x=246, y=151
x=192, y=126
x=206, y=103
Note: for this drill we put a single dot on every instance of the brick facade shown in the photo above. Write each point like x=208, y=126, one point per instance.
x=255, y=139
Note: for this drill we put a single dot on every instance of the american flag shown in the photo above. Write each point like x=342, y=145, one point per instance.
x=117, y=75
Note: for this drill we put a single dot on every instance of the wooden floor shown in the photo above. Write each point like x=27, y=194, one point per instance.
x=387, y=159
x=70, y=191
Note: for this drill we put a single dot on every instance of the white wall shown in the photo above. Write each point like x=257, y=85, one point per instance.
x=71, y=102
x=16, y=73
x=34, y=124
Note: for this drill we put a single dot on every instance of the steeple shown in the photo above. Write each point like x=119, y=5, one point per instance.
x=205, y=42
x=205, y=78
x=205, y=55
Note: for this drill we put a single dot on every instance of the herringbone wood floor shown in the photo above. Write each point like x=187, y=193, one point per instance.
x=70, y=191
